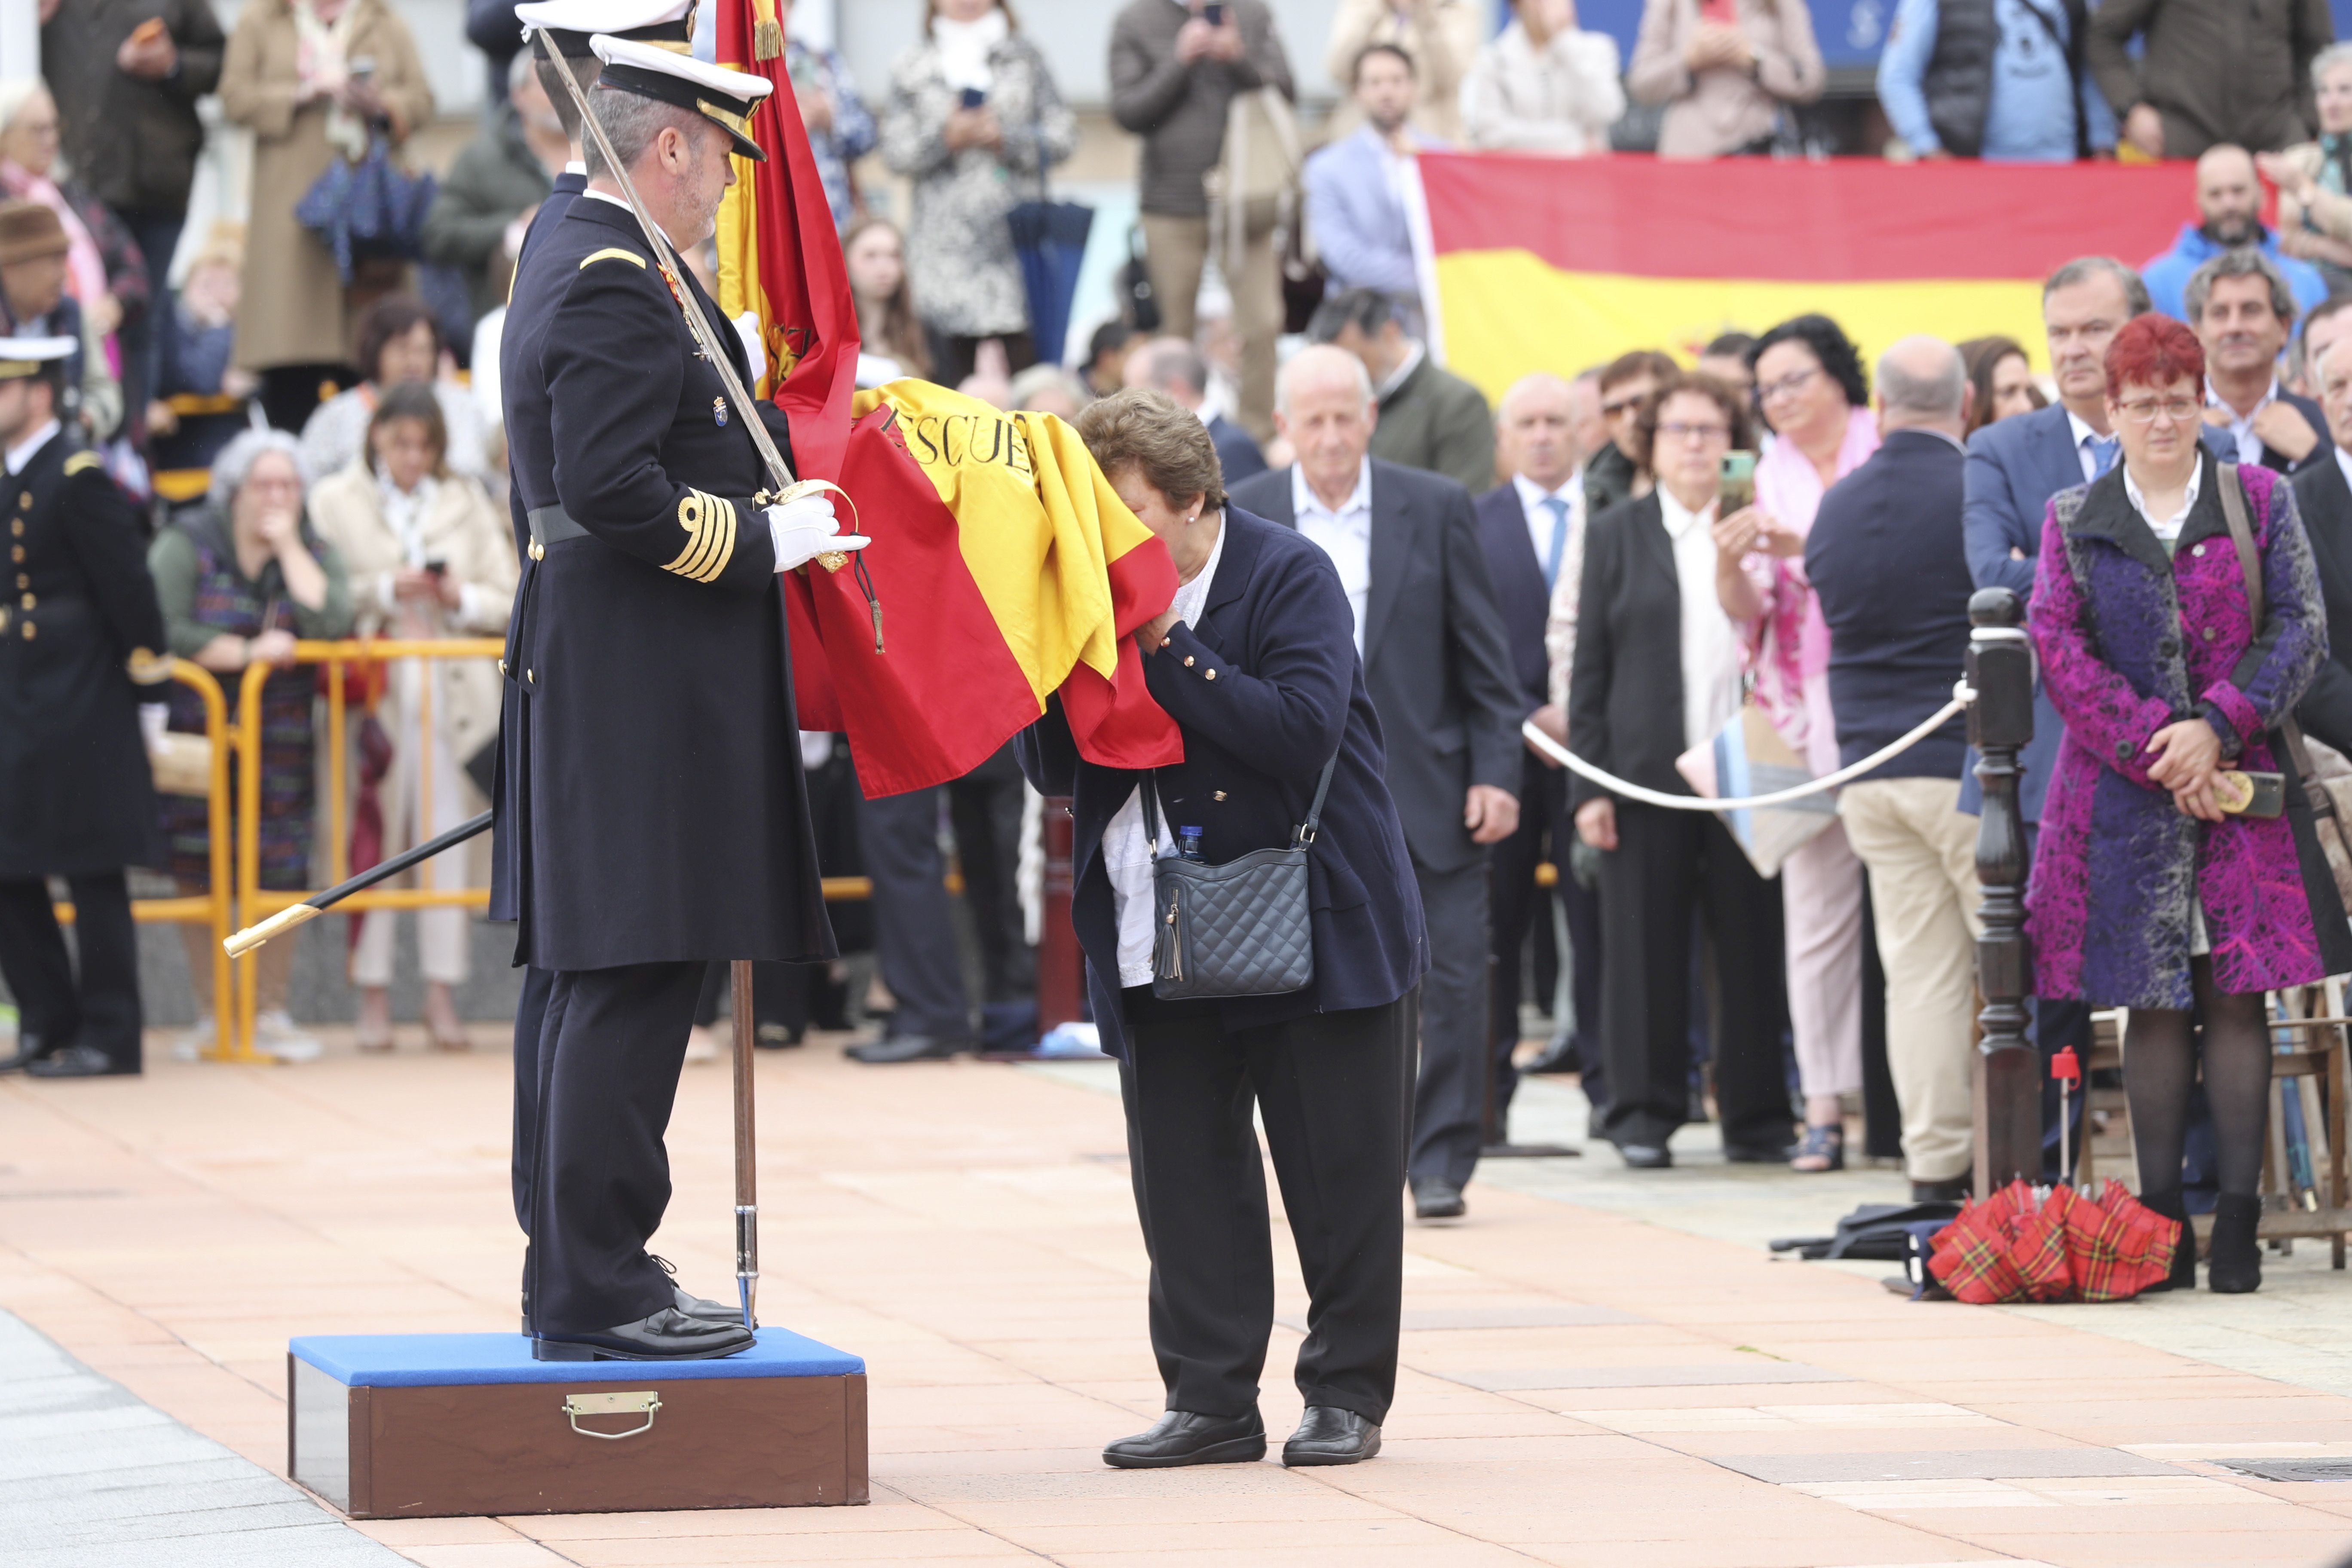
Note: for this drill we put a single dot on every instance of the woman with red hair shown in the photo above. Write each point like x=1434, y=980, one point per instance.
x=2149, y=890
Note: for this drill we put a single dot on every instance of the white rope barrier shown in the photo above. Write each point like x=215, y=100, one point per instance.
x=1962, y=695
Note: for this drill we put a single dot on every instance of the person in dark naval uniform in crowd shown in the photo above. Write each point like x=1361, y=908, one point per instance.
x=568, y=25
x=80, y=640
x=662, y=818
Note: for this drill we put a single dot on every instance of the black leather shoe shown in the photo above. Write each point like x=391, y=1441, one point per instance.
x=29, y=1050
x=1557, y=1056
x=907, y=1048
x=1181, y=1438
x=667, y=1335
x=1958, y=1189
x=1758, y=1154
x=1330, y=1435
x=1646, y=1156
x=1434, y=1197
x=71, y=1061
x=694, y=1306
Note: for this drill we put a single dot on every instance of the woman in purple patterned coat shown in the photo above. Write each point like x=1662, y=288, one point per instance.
x=2146, y=893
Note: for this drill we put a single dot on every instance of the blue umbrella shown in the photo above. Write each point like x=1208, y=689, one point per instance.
x=1050, y=237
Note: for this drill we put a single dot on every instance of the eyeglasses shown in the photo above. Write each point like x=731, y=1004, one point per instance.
x=1700, y=433
x=1787, y=387
x=2143, y=410
x=1619, y=407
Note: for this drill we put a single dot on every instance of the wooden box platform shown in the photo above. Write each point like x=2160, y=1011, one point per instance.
x=418, y=1425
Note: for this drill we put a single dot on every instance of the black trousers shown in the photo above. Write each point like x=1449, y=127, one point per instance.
x=1518, y=906
x=984, y=806
x=1666, y=864
x=99, y=1007
x=289, y=393
x=608, y=1064
x=914, y=925
x=1449, y=1104
x=530, y=1018
x=1332, y=1088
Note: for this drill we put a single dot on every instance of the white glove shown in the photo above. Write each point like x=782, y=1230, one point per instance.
x=154, y=718
x=747, y=327
x=805, y=528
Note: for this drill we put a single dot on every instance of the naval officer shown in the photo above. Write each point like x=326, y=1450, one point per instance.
x=568, y=25
x=663, y=817
x=81, y=641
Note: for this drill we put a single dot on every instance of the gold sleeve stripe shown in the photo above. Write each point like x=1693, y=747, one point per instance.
x=147, y=668
x=83, y=461
x=709, y=524
x=612, y=253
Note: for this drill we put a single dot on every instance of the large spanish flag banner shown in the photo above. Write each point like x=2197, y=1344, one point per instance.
x=1561, y=263
x=1007, y=568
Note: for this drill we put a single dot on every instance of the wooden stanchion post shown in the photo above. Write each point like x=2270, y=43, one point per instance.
x=1061, y=974
x=2008, y=1111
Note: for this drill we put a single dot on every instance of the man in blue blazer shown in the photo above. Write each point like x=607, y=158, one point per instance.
x=1360, y=221
x=2014, y=467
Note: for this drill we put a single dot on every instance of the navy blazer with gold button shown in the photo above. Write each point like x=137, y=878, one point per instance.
x=1265, y=689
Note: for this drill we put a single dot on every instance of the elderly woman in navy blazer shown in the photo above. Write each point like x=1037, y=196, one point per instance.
x=1256, y=662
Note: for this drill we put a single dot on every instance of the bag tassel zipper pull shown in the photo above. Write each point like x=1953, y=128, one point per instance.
x=1171, y=953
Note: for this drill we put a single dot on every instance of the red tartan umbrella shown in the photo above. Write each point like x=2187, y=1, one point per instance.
x=2068, y=1247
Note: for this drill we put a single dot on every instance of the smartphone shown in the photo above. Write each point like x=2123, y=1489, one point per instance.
x=2243, y=794
x=1737, y=482
x=973, y=97
x=438, y=568
x=364, y=68
x=1213, y=13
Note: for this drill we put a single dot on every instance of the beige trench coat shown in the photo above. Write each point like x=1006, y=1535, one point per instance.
x=1719, y=110
x=464, y=528
x=296, y=310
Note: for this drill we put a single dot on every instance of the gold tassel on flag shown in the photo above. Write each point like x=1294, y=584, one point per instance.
x=768, y=37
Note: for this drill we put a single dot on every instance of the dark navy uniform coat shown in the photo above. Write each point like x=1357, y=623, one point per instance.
x=81, y=646
x=506, y=857
x=662, y=812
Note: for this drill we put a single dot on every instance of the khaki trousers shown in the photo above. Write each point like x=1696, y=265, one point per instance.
x=1921, y=853
x=1176, y=252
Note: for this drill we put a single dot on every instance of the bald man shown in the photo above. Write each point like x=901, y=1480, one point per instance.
x=1532, y=529
x=1889, y=566
x=1405, y=543
x=2230, y=216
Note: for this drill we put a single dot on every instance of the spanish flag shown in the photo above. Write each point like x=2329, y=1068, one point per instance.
x=1007, y=568
x=1562, y=263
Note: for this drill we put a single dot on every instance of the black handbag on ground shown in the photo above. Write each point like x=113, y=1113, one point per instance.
x=1241, y=929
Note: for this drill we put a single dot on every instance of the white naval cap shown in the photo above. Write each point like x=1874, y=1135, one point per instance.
x=667, y=23
x=21, y=357
x=724, y=97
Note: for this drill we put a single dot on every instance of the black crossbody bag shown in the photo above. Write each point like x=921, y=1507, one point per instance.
x=1241, y=929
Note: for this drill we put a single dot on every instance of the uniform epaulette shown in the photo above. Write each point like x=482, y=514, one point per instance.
x=81, y=462
x=611, y=252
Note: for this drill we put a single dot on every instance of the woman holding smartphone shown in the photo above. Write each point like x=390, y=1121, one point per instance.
x=2149, y=892
x=975, y=120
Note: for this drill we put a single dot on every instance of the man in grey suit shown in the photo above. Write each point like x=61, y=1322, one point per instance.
x=1439, y=670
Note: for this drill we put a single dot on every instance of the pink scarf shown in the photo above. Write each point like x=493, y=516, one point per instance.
x=84, y=268
x=1788, y=649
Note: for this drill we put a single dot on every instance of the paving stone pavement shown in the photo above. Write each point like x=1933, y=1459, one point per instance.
x=1599, y=1367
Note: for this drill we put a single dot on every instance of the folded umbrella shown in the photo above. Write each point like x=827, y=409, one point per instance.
x=1050, y=238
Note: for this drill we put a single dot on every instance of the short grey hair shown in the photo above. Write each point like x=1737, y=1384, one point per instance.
x=2326, y=60
x=234, y=464
x=1936, y=396
x=2083, y=268
x=632, y=123
x=2244, y=262
x=1172, y=361
x=1282, y=382
x=1042, y=377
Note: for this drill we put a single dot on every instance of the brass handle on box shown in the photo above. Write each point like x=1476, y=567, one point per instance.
x=647, y=1403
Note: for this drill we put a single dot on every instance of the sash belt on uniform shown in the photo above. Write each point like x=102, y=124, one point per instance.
x=553, y=525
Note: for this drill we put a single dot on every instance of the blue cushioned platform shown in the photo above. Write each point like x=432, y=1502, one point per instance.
x=433, y=1361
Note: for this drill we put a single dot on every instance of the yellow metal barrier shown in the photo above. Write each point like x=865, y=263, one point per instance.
x=253, y=904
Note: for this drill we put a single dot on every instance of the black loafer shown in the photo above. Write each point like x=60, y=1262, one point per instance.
x=1646, y=1156
x=1434, y=1197
x=1330, y=1435
x=1181, y=1438
x=694, y=1306
x=907, y=1048
x=667, y=1335
x=71, y=1061
x=1758, y=1154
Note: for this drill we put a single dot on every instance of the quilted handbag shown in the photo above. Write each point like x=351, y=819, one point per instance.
x=1241, y=929
x=369, y=210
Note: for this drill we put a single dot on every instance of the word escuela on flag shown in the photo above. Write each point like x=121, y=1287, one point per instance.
x=1561, y=263
x=1007, y=568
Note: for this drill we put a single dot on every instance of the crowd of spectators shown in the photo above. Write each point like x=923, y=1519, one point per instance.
x=1579, y=567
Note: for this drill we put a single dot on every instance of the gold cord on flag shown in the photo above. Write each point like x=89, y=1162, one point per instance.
x=767, y=36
